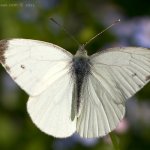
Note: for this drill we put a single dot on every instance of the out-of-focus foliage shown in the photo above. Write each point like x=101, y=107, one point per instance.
x=29, y=19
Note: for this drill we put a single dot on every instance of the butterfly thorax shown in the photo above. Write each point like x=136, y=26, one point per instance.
x=80, y=71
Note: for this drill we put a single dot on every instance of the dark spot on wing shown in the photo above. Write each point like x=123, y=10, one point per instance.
x=140, y=86
x=148, y=78
x=3, y=47
x=7, y=67
x=134, y=74
x=22, y=66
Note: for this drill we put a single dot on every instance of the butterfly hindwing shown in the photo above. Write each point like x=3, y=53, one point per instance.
x=101, y=111
x=51, y=110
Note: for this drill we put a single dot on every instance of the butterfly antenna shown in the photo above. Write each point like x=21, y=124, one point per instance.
x=62, y=27
x=101, y=32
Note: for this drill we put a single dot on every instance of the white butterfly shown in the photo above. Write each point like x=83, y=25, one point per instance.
x=80, y=93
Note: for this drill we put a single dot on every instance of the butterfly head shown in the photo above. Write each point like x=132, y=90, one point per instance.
x=81, y=51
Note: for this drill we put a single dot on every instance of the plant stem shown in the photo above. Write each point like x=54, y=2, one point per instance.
x=114, y=141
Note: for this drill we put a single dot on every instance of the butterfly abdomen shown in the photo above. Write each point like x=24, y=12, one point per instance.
x=80, y=70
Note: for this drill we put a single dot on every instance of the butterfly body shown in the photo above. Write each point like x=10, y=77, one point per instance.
x=75, y=93
x=80, y=69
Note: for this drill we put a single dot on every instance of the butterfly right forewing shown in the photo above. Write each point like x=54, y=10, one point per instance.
x=129, y=67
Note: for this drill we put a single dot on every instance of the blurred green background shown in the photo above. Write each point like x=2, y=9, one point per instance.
x=83, y=19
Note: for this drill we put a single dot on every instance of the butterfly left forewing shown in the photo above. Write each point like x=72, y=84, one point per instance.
x=33, y=64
